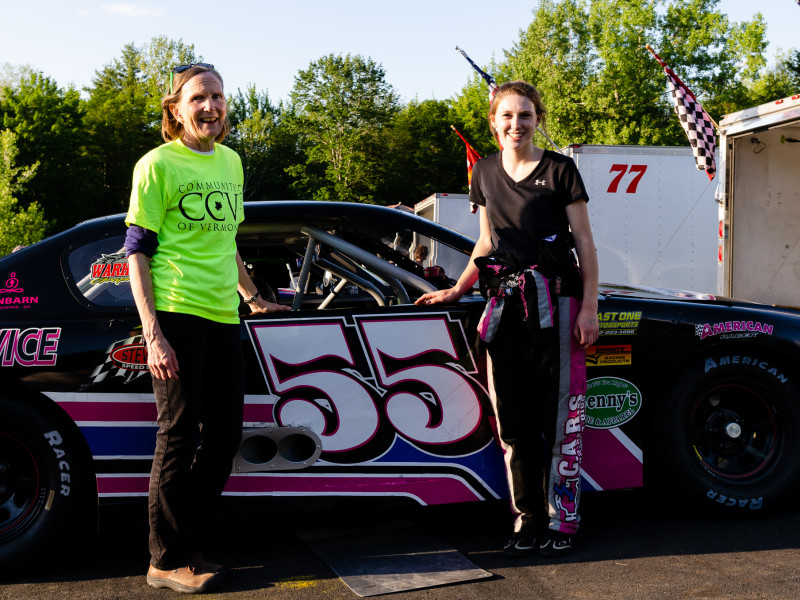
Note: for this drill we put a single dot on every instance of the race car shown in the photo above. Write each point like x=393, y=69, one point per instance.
x=358, y=392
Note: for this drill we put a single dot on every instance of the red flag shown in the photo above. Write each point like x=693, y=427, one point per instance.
x=472, y=158
x=472, y=154
x=699, y=127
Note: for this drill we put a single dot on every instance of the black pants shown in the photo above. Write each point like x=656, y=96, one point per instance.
x=199, y=431
x=537, y=383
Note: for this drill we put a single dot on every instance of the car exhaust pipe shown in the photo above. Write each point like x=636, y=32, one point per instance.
x=277, y=449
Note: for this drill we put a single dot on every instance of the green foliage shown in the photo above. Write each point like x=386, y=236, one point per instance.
x=470, y=110
x=424, y=153
x=556, y=53
x=18, y=226
x=342, y=107
x=344, y=135
x=601, y=86
x=262, y=139
x=157, y=59
x=780, y=81
x=48, y=124
x=123, y=116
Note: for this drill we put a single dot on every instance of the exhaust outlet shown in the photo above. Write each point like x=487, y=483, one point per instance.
x=277, y=449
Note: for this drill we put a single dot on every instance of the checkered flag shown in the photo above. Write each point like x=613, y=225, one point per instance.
x=699, y=127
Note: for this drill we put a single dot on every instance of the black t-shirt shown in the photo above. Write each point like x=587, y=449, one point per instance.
x=523, y=215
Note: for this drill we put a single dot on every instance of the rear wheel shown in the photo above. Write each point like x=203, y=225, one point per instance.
x=47, y=490
x=727, y=436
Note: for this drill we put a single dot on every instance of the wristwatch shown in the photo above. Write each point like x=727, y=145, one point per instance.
x=252, y=299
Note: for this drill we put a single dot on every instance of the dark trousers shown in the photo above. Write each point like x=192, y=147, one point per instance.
x=537, y=383
x=199, y=431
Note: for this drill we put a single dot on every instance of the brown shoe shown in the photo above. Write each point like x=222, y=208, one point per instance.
x=190, y=580
x=202, y=564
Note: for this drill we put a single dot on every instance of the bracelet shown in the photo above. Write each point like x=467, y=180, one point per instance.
x=253, y=298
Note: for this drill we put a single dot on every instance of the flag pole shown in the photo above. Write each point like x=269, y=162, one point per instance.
x=683, y=85
x=493, y=87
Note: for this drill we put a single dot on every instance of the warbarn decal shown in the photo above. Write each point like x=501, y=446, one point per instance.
x=110, y=268
x=11, y=295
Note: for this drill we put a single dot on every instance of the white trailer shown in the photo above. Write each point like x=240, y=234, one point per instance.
x=760, y=203
x=453, y=211
x=653, y=215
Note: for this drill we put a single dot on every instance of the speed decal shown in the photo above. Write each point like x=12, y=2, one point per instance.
x=360, y=381
x=124, y=358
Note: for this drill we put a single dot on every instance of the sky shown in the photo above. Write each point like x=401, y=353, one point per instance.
x=267, y=42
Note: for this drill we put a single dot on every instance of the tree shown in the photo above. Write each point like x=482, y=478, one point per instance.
x=601, y=86
x=47, y=123
x=556, y=53
x=471, y=107
x=123, y=116
x=122, y=124
x=341, y=108
x=425, y=155
x=261, y=138
x=18, y=226
x=779, y=81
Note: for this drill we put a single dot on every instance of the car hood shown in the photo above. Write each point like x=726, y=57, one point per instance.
x=653, y=293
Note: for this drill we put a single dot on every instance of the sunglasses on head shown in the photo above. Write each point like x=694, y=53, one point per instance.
x=182, y=68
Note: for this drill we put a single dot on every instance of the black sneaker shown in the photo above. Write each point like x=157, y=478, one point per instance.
x=555, y=543
x=522, y=543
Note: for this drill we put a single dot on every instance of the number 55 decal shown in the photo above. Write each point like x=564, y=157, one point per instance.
x=621, y=170
x=359, y=383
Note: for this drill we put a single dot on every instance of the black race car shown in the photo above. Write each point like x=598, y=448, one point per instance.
x=357, y=392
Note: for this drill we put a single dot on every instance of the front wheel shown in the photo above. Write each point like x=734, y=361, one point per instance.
x=728, y=434
x=47, y=490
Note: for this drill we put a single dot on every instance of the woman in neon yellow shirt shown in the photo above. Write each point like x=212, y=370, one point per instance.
x=186, y=206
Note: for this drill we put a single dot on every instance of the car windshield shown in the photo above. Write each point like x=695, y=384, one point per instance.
x=313, y=263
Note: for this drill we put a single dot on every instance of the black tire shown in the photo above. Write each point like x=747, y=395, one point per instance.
x=727, y=436
x=48, y=492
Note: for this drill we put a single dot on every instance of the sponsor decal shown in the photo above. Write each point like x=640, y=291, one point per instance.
x=566, y=487
x=32, y=347
x=124, y=358
x=619, y=323
x=566, y=498
x=110, y=268
x=10, y=295
x=131, y=357
x=611, y=402
x=738, y=359
x=749, y=503
x=55, y=440
x=603, y=356
x=732, y=329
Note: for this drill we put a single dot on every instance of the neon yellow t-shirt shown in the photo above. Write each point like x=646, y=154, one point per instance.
x=194, y=203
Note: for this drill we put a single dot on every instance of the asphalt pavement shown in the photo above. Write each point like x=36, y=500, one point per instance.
x=630, y=546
